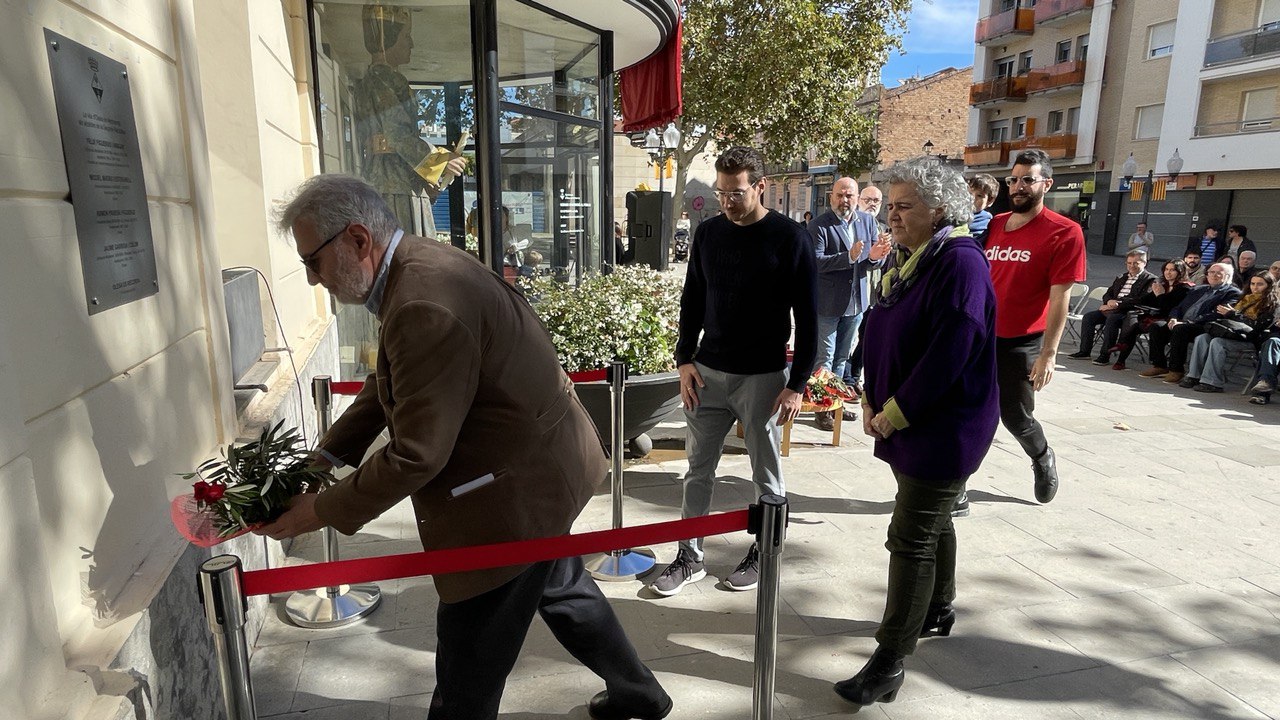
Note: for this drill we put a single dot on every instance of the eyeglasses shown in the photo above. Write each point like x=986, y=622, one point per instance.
x=731, y=195
x=1027, y=180
x=870, y=200
x=310, y=259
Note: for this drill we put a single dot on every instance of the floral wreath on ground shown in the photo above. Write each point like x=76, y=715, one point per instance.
x=824, y=391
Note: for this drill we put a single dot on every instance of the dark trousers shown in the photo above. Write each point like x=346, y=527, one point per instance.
x=1014, y=358
x=922, y=558
x=853, y=371
x=478, y=641
x=1169, y=346
x=1110, y=322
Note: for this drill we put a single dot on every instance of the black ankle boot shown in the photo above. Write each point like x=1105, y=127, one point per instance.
x=939, y=620
x=878, y=681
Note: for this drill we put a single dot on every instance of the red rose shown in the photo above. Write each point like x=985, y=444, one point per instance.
x=202, y=491
x=215, y=491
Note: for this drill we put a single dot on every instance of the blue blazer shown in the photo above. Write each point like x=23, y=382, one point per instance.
x=843, y=288
x=1224, y=294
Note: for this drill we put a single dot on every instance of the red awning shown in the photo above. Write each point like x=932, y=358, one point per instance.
x=651, y=88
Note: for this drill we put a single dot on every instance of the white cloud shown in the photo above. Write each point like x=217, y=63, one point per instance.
x=940, y=27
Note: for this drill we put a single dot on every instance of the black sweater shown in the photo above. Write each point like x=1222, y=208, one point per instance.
x=742, y=286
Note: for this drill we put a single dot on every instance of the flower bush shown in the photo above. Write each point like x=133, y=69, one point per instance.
x=631, y=314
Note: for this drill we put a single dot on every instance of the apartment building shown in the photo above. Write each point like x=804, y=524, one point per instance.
x=1188, y=89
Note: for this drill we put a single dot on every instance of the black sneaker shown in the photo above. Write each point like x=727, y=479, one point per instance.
x=1046, y=472
x=961, y=508
x=1080, y=355
x=747, y=574
x=1102, y=360
x=684, y=571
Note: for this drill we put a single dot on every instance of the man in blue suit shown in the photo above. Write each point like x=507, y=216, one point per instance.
x=847, y=246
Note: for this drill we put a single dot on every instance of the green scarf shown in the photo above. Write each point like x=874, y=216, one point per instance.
x=906, y=263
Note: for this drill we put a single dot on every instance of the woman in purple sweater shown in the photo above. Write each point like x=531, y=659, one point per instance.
x=930, y=403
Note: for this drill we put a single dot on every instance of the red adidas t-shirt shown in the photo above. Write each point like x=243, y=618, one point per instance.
x=1047, y=251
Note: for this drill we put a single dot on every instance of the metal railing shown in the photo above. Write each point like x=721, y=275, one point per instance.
x=1011, y=88
x=1053, y=77
x=1050, y=9
x=995, y=153
x=1245, y=45
x=1017, y=20
x=1057, y=147
x=1238, y=127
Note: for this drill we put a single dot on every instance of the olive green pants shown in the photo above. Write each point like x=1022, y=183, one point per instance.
x=922, y=558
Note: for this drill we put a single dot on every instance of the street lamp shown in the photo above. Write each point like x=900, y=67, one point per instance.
x=658, y=145
x=928, y=147
x=1130, y=168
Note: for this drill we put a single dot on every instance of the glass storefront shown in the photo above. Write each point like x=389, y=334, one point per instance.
x=397, y=90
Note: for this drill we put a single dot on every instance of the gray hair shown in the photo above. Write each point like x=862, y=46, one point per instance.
x=939, y=186
x=334, y=201
x=1138, y=253
x=1228, y=271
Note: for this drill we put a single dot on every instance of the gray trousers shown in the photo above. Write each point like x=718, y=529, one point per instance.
x=726, y=398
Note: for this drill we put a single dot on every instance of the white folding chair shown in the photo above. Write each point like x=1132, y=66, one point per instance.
x=1077, y=308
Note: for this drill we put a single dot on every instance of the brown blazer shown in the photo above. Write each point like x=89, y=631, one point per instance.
x=469, y=386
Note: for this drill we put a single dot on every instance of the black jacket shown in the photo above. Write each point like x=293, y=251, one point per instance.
x=1140, y=285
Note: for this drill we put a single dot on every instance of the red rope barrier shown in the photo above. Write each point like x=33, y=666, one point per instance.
x=479, y=557
x=589, y=375
x=346, y=388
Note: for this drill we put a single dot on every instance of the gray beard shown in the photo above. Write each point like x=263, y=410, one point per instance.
x=844, y=215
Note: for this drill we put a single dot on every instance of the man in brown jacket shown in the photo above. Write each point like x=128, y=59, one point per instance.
x=488, y=438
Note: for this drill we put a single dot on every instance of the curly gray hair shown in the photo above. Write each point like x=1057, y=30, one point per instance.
x=939, y=185
x=334, y=201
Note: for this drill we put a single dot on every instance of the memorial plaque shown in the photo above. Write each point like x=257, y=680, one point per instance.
x=104, y=171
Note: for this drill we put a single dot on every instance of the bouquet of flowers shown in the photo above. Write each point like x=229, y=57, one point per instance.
x=249, y=486
x=824, y=389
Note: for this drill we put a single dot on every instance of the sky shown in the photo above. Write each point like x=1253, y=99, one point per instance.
x=939, y=35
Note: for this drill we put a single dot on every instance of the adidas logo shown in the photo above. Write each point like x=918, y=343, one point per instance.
x=999, y=254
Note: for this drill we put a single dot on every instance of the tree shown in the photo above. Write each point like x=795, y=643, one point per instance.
x=783, y=75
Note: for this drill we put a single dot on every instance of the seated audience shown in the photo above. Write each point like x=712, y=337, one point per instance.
x=1206, y=371
x=1195, y=269
x=1268, y=361
x=1246, y=268
x=1187, y=321
x=1151, y=308
x=1129, y=284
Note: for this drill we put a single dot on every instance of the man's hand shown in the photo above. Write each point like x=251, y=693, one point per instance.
x=880, y=248
x=300, y=518
x=787, y=406
x=1157, y=288
x=690, y=381
x=454, y=168
x=1224, y=309
x=1042, y=371
x=1173, y=323
x=881, y=427
x=855, y=252
x=1109, y=305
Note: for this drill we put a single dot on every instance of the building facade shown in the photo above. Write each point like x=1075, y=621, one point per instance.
x=1089, y=82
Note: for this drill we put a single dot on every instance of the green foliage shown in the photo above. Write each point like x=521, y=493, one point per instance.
x=253, y=483
x=631, y=314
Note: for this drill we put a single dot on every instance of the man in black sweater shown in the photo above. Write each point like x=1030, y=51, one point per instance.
x=749, y=270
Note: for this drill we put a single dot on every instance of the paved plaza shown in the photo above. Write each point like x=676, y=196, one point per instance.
x=1149, y=588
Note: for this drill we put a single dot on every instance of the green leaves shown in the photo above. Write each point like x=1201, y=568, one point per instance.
x=631, y=314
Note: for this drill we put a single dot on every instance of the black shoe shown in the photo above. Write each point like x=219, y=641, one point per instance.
x=939, y=620
x=826, y=420
x=1082, y=354
x=878, y=681
x=601, y=709
x=961, y=508
x=684, y=571
x=1046, y=470
x=1188, y=382
x=747, y=575
x=1102, y=360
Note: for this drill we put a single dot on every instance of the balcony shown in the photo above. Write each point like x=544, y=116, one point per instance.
x=1057, y=12
x=1002, y=89
x=1019, y=20
x=1247, y=45
x=1057, y=147
x=1238, y=127
x=1055, y=78
x=996, y=153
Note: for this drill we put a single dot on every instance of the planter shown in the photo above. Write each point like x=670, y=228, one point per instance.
x=646, y=400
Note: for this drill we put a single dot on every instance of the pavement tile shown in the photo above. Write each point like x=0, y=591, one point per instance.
x=1247, y=670
x=365, y=667
x=1189, y=559
x=345, y=711
x=1154, y=689
x=1119, y=627
x=275, y=670
x=1061, y=529
x=1233, y=610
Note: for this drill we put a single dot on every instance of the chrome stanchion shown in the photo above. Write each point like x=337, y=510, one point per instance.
x=225, y=607
x=769, y=525
x=332, y=606
x=619, y=564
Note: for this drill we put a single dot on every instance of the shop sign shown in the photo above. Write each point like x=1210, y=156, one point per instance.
x=104, y=172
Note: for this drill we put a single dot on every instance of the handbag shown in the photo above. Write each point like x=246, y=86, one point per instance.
x=1229, y=329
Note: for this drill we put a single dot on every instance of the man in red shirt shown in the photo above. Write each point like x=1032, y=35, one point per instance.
x=1036, y=255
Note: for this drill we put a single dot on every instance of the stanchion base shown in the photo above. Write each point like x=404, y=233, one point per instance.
x=621, y=565
x=317, y=609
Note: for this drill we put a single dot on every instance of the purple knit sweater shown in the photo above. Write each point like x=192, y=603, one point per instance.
x=934, y=353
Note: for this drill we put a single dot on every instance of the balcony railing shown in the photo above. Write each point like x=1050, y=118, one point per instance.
x=1238, y=127
x=1009, y=88
x=1057, y=147
x=1047, y=10
x=1055, y=77
x=1018, y=20
x=1243, y=46
x=996, y=153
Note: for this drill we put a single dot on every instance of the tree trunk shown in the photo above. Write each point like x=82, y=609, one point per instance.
x=684, y=155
